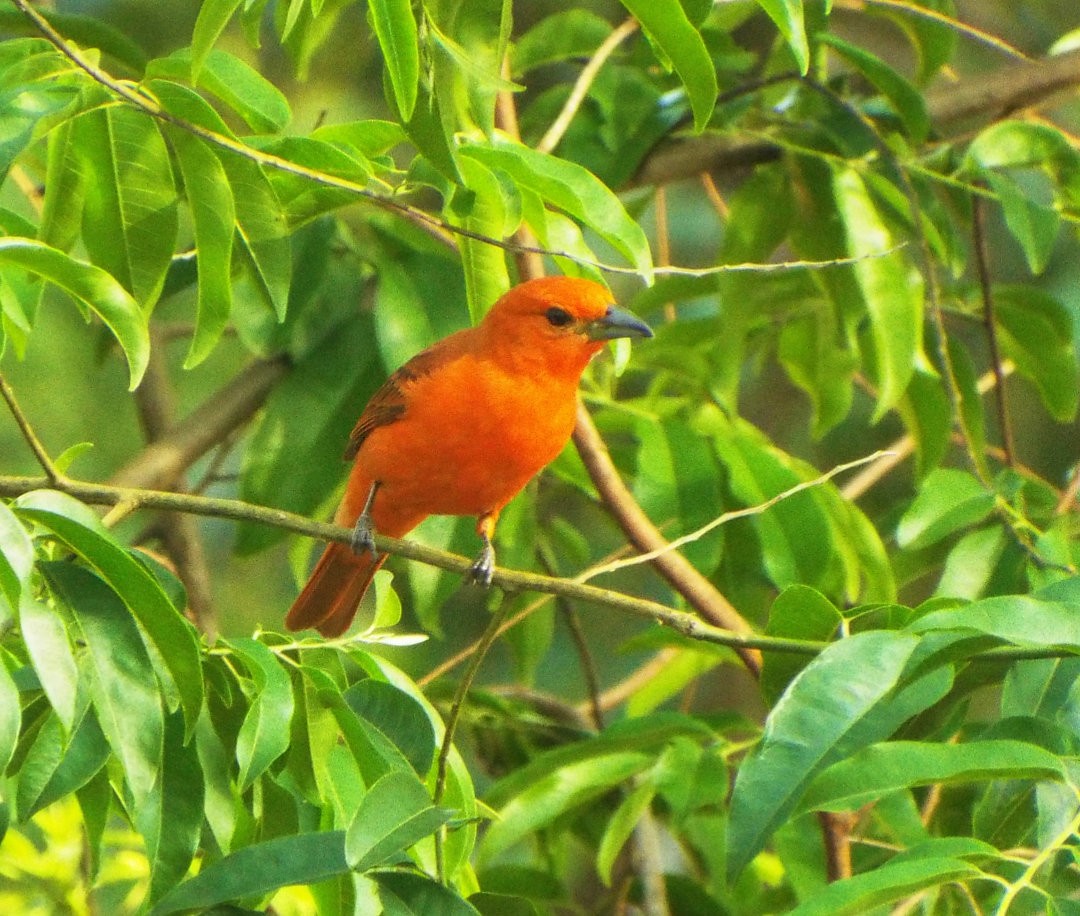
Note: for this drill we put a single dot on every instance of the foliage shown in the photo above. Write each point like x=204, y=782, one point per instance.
x=872, y=268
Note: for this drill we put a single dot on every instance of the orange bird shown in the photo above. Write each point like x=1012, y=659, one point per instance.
x=460, y=429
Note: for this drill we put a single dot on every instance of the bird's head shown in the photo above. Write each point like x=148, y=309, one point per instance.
x=564, y=321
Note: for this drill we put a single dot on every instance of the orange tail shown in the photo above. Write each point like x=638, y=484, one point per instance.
x=329, y=600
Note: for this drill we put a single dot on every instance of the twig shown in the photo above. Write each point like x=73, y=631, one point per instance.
x=618, y=694
x=585, y=79
x=698, y=591
x=985, y=96
x=27, y=430
x=982, y=265
x=510, y=580
x=454, y=716
x=726, y=517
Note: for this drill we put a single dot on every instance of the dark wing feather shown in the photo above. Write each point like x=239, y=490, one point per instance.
x=389, y=402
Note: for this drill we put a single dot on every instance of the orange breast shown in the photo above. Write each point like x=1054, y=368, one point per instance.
x=472, y=436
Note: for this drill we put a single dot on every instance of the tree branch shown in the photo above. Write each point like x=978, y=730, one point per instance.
x=161, y=463
x=688, y=625
x=983, y=97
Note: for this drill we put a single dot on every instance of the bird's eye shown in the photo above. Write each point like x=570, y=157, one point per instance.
x=558, y=317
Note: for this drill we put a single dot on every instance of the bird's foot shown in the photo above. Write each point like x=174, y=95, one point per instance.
x=363, y=534
x=483, y=567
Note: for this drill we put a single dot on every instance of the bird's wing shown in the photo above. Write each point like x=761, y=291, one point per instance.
x=391, y=400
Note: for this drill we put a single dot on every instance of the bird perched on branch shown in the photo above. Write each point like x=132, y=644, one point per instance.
x=460, y=429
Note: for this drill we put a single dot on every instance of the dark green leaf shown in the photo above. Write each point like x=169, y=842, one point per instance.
x=904, y=97
x=404, y=893
x=10, y=716
x=398, y=716
x=799, y=612
x=563, y=35
x=1034, y=225
x=171, y=820
x=1036, y=332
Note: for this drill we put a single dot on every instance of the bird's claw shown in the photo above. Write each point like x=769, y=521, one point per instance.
x=483, y=567
x=363, y=537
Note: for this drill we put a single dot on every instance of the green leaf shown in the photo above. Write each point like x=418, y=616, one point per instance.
x=51, y=654
x=620, y=826
x=799, y=612
x=883, y=768
x=395, y=29
x=1034, y=225
x=395, y=813
x=16, y=558
x=65, y=189
x=260, y=222
x=1015, y=143
x=397, y=716
x=403, y=893
x=972, y=563
x=891, y=288
x=214, y=214
x=10, y=716
x=561, y=36
x=483, y=265
x=1017, y=619
x=129, y=215
x=949, y=500
x=824, y=709
x=665, y=22
x=58, y=766
x=264, y=734
x=92, y=287
x=552, y=796
x=788, y=17
x=886, y=883
x=305, y=858
x=123, y=688
x=169, y=633
x=569, y=187
x=213, y=16
x=905, y=98
x=1036, y=332
x=172, y=818
x=294, y=456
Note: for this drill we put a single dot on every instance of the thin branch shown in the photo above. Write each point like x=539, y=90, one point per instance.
x=510, y=580
x=156, y=403
x=619, y=693
x=585, y=79
x=982, y=266
x=454, y=716
x=698, y=591
x=726, y=517
x=27, y=430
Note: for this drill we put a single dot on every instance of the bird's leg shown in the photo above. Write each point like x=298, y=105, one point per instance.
x=363, y=534
x=484, y=565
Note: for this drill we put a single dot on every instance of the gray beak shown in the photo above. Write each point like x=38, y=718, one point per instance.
x=616, y=323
